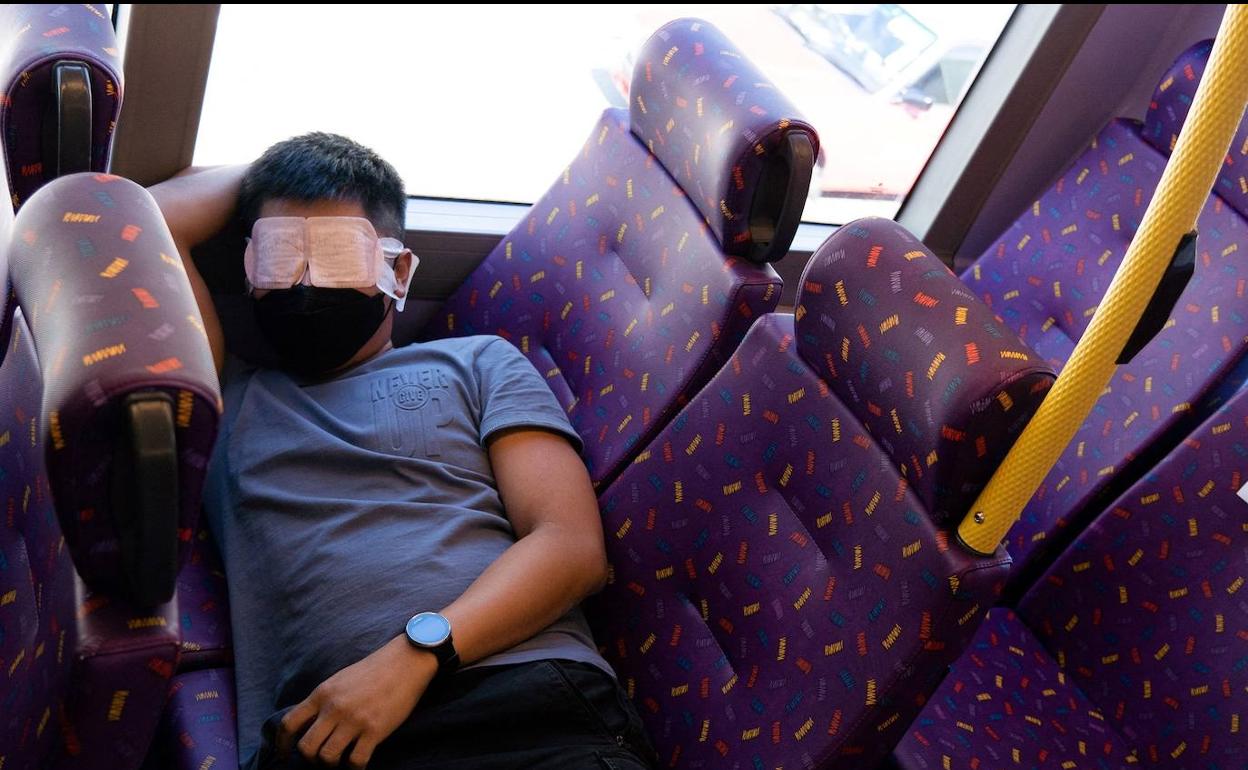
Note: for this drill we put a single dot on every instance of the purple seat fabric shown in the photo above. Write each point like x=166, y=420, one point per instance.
x=1142, y=616
x=1168, y=110
x=198, y=731
x=712, y=120
x=617, y=287
x=40, y=36
x=112, y=314
x=1046, y=275
x=32, y=615
x=1146, y=610
x=86, y=675
x=1008, y=704
x=203, y=603
x=779, y=586
x=123, y=659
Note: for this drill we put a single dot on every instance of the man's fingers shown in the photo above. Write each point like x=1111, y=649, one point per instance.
x=310, y=744
x=336, y=743
x=293, y=723
x=362, y=752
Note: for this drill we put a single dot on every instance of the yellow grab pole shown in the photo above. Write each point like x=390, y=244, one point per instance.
x=1202, y=145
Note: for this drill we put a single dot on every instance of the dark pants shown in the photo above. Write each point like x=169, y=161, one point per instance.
x=545, y=715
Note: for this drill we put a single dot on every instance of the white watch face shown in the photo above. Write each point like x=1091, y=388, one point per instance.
x=428, y=629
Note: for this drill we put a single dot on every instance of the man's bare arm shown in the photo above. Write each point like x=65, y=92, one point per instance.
x=197, y=203
x=557, y=561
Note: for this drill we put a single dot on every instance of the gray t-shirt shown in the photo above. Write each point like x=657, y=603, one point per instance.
x=343, y=508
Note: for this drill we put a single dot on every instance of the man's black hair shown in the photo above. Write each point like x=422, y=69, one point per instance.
x=322, y=166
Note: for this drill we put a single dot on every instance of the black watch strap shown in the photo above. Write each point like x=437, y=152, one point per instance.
x=448, y=658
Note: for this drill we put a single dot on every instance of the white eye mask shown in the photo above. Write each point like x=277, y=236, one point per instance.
x=329, y=252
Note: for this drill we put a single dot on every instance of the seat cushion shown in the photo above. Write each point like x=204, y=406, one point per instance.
x=204, y=608
x=1006, y=703
x=34, y=618
x=1146, y=609
x=775, y=584
x=199, y=727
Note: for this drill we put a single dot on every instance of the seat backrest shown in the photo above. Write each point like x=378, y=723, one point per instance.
x=1046, y=276
x=630, y=281
x=1168, y=110
x=60, y=92
x=1146, y=610
x=782, y=556
x=130, y=401
x=87, y=673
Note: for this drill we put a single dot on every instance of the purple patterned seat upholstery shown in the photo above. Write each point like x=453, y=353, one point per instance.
x=782, y=582
x=1008, y=704
x=85, y=675
x=199, y=728
x=203, y=603
x=628, y=284
x=1046, y=275
x=1168, y=110
x=1140, y=625
x=42, y=42
x=113, y=319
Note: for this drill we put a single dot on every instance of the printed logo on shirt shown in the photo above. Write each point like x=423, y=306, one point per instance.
x=411, y=397
x=407, y=406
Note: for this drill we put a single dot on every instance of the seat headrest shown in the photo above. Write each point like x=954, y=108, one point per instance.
x=1168, y=110
x=60, y=74
x=736, y=145
x=114, y=320
x=942, y=384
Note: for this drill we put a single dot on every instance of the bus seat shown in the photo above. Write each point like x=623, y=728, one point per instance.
x=1168, y=110
x=200, y=726
x=1045, y=277
x=1132, y=647
x=60, y=75
x=203, y=604
x=131, y=400
x=632, y=279
x=784, y=566
x=87, y=672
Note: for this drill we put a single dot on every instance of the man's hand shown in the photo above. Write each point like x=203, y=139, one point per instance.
x=362, y=704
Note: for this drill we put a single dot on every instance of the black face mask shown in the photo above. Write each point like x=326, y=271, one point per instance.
x=316, y=330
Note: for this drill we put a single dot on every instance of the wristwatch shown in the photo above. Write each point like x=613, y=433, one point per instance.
x=432, y=631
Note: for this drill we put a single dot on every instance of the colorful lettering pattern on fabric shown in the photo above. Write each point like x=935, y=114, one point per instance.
x=616, y=292
x=40, y=35
x=1008, y=704
x=780, y=594
x=1132, y=648
x=1168, y=109
x=1046, y=275
x=1146, y=611
x=96, y=273
x=199, y=727
x=942, y=384
x=85, y=676
x=713, y=120
x=203, y=608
